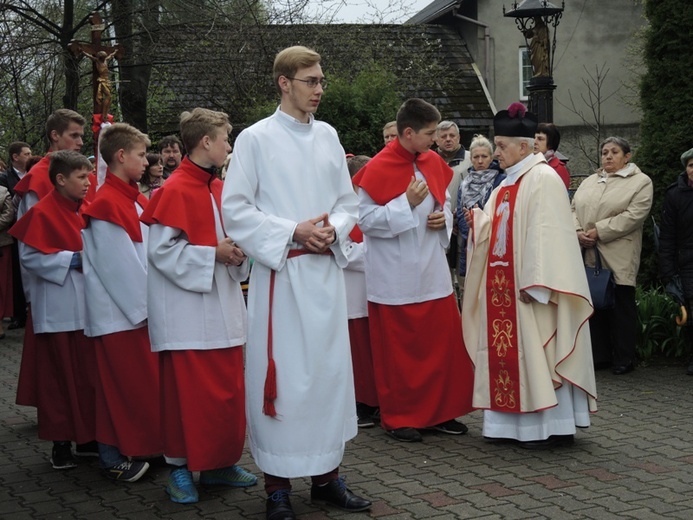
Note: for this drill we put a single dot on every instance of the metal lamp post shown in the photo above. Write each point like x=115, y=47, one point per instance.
x=538, y=20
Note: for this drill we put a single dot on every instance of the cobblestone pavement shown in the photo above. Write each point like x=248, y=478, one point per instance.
x=636, y=461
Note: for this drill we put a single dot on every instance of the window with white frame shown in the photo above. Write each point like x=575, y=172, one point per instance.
x=525, y=72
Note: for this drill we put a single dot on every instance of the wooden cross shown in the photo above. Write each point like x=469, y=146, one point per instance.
x=100, y=55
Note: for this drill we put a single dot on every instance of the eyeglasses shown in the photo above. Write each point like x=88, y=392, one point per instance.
x=311, y=82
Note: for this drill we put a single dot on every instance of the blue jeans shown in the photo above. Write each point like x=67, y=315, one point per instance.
x=109, y=456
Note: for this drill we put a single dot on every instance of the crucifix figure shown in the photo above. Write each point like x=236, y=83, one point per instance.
x=100, y=55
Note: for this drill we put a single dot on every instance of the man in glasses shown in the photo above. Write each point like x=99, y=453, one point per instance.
x=290, y=206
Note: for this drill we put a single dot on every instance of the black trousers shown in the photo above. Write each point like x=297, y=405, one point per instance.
x=614, y=332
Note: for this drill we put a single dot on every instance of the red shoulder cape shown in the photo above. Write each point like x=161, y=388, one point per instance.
x=388, y=174
x=51, y=225
x=114, y=203
x=183, y=202
x=36, y=179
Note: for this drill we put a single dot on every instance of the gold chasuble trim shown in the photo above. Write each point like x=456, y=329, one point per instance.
x=504, y=370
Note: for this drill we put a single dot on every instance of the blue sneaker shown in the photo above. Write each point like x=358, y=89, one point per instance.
x=180, y=486
x=234, y=476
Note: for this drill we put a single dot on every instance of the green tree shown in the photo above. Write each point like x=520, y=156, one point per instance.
x=667, y=103
x=359, y=107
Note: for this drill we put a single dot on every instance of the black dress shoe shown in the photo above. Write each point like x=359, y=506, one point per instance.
x=405, y=434
x=337, y=494
x=619, y=370
x=279, y=506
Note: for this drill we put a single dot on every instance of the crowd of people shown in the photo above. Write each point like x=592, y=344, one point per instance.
x=137, y=327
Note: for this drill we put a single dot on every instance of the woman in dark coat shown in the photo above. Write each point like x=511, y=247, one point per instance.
x=676, y=238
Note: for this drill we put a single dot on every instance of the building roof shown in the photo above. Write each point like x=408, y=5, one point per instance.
x=230, y=68
x=433, y=11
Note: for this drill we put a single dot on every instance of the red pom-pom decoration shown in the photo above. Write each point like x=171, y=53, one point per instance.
x=517, y=110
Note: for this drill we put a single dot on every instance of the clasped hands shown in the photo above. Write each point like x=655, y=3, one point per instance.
x=416, y=192
x=316, y=234
x=588, y=239
x=228, y=253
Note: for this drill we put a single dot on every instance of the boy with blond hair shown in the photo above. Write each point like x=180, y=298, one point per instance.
x=197, y=316
x=50, y=252
x=115, y=270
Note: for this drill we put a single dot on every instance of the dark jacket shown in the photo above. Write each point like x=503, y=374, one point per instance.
x=676, y=234
x=9, y=179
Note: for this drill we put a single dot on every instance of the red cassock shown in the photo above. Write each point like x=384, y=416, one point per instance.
x=423, y=373
x=127, y=387
x=203, y=391
x=35, y=180
x=64, y=362
x=361, y=355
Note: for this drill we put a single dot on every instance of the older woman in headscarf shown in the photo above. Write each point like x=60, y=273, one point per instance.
x=676, y=239
x=609, y=210
x=483, y=176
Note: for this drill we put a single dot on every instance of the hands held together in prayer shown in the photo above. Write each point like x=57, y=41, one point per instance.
x=313, y=237
x=228, y=253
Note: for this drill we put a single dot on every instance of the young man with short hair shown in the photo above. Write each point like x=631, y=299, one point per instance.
x=64, y=131
x=197, y=316
x=115, y=271
x=422, y=372
x=289, y=202
x=390, y=131
x=50, y=252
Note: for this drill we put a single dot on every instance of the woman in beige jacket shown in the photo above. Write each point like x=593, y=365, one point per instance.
x=609, y=210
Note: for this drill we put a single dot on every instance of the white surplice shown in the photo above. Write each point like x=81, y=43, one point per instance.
x=405, y=261
x=355, y=280
x=57, y=292
x=115, y=272
x=284, y=172
x=194, y=302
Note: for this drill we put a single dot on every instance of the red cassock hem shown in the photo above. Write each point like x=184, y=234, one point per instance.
x=65, y=368
x=26, y=383
x=362, y=360
x=422, y=370
x=203, y=406
x=127, y=393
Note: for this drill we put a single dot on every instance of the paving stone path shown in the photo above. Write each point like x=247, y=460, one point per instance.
x=636, y=461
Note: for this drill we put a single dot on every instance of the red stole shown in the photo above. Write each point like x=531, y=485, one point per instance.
x=52, y=225
x=36, y=179
x=389, y=173
x=183, y=203
x=115, y=203
x=501, y=306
